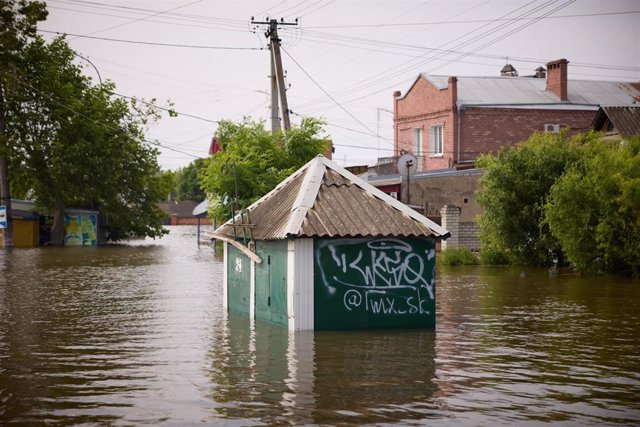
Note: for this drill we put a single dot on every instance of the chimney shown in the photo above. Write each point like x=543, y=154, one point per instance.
x=453, y=85
x=557, y=78
x=541, y=73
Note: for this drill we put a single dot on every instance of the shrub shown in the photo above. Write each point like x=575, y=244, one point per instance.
x=491, y=255
x=458, y=256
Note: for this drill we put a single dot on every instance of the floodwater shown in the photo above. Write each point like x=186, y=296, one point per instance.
x=135, y=334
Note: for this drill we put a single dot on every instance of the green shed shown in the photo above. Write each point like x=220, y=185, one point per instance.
x=328, y=251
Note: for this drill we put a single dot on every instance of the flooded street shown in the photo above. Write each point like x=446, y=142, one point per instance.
x=135, y=334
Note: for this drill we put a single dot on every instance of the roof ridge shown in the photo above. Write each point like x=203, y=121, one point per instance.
x=307, y=195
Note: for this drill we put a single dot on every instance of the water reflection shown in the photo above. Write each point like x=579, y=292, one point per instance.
x=537, y=348
x=276, y=377
x=136, y=335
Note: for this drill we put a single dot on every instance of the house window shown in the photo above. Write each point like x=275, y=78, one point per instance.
x=437, y=141
x=417, y=142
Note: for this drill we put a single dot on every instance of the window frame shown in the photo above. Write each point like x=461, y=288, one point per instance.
x=436, y=141
x=418, y=139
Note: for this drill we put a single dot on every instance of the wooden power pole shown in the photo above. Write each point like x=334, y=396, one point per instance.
x=278, y=90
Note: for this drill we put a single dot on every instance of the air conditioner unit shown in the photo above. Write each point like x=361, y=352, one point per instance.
x=553, y=128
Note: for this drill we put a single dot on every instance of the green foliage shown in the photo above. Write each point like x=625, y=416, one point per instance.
x=514, y=190
x=262, y=160
x=490, y=255
x=188, y=181
x=72, y=144
x=594, y=209
x=457, y=256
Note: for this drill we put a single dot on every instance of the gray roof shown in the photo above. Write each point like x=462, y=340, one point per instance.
x=322, y=199
x=531, y=92
x=625, y=120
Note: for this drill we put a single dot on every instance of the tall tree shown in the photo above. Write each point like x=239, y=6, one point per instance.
x=75, y=145
x=188, y=181
x=514, y=190
x=261, y=160
x=18, y=21
x=594, y=209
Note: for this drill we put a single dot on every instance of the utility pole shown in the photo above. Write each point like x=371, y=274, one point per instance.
x=278, y=90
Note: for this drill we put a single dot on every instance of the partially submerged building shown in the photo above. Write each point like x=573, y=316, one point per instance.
x=326, y=250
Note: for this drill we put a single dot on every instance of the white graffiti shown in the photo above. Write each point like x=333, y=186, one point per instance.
x=238, y=266
x=384, y=277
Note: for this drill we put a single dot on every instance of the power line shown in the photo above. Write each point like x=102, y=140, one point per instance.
x=145, y=17
x=142, y=11
x=182, y=22
x=473, y=21
x=91, y=119
x=151, y=43
x=327, y=93
x=169, y=110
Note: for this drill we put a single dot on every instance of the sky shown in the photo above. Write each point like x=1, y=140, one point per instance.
x=343, y=59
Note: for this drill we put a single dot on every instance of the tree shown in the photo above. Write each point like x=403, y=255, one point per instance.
x=188, y=181
x=594, y=209
x=18, y=20
x=514, y=190
x=73, y=144
x=261, y=160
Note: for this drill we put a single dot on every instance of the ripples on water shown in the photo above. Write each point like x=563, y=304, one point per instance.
x=135, y=334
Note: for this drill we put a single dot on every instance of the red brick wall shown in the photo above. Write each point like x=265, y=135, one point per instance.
x=482, y=130
x=487, y=129
x=422, y=107
x=557, y=78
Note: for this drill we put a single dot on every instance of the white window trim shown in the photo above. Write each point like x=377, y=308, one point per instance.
x=417, y=134
x=432, y=147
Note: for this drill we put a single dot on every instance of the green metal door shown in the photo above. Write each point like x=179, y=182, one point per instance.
x=238, y=280
x=374, y=283
x=271, y=282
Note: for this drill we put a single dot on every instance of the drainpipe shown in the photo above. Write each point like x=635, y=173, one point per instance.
x=458, y=133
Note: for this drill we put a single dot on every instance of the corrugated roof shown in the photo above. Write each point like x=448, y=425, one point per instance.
x=625, y=120
x=532, y=91
x=322, y=199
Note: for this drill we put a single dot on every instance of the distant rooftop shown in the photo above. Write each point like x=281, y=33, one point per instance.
x=528, y=91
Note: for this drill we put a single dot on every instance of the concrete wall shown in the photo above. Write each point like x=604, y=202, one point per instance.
x=440, y=190
x=463, y=234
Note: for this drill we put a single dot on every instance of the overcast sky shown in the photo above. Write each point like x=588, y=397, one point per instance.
x=344, y=59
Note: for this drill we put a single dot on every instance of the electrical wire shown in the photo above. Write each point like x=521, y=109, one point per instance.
x=97, y=122
x=144, y=17
x=472, y=21
x=151, y=43
x=327, y=93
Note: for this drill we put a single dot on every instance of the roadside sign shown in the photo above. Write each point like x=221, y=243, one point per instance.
x=3, y=217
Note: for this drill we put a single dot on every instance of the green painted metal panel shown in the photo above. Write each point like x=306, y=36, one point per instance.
x=238, y=280
x=374, y=283
x=271, y=282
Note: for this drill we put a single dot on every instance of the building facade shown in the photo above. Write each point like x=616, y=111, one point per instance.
x=448, y=122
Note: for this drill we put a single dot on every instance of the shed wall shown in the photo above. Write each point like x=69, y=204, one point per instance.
x=238, y=281
x=271, y=282
x=374, y=283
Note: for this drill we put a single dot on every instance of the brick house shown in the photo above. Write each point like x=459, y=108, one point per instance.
x=447, y=122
